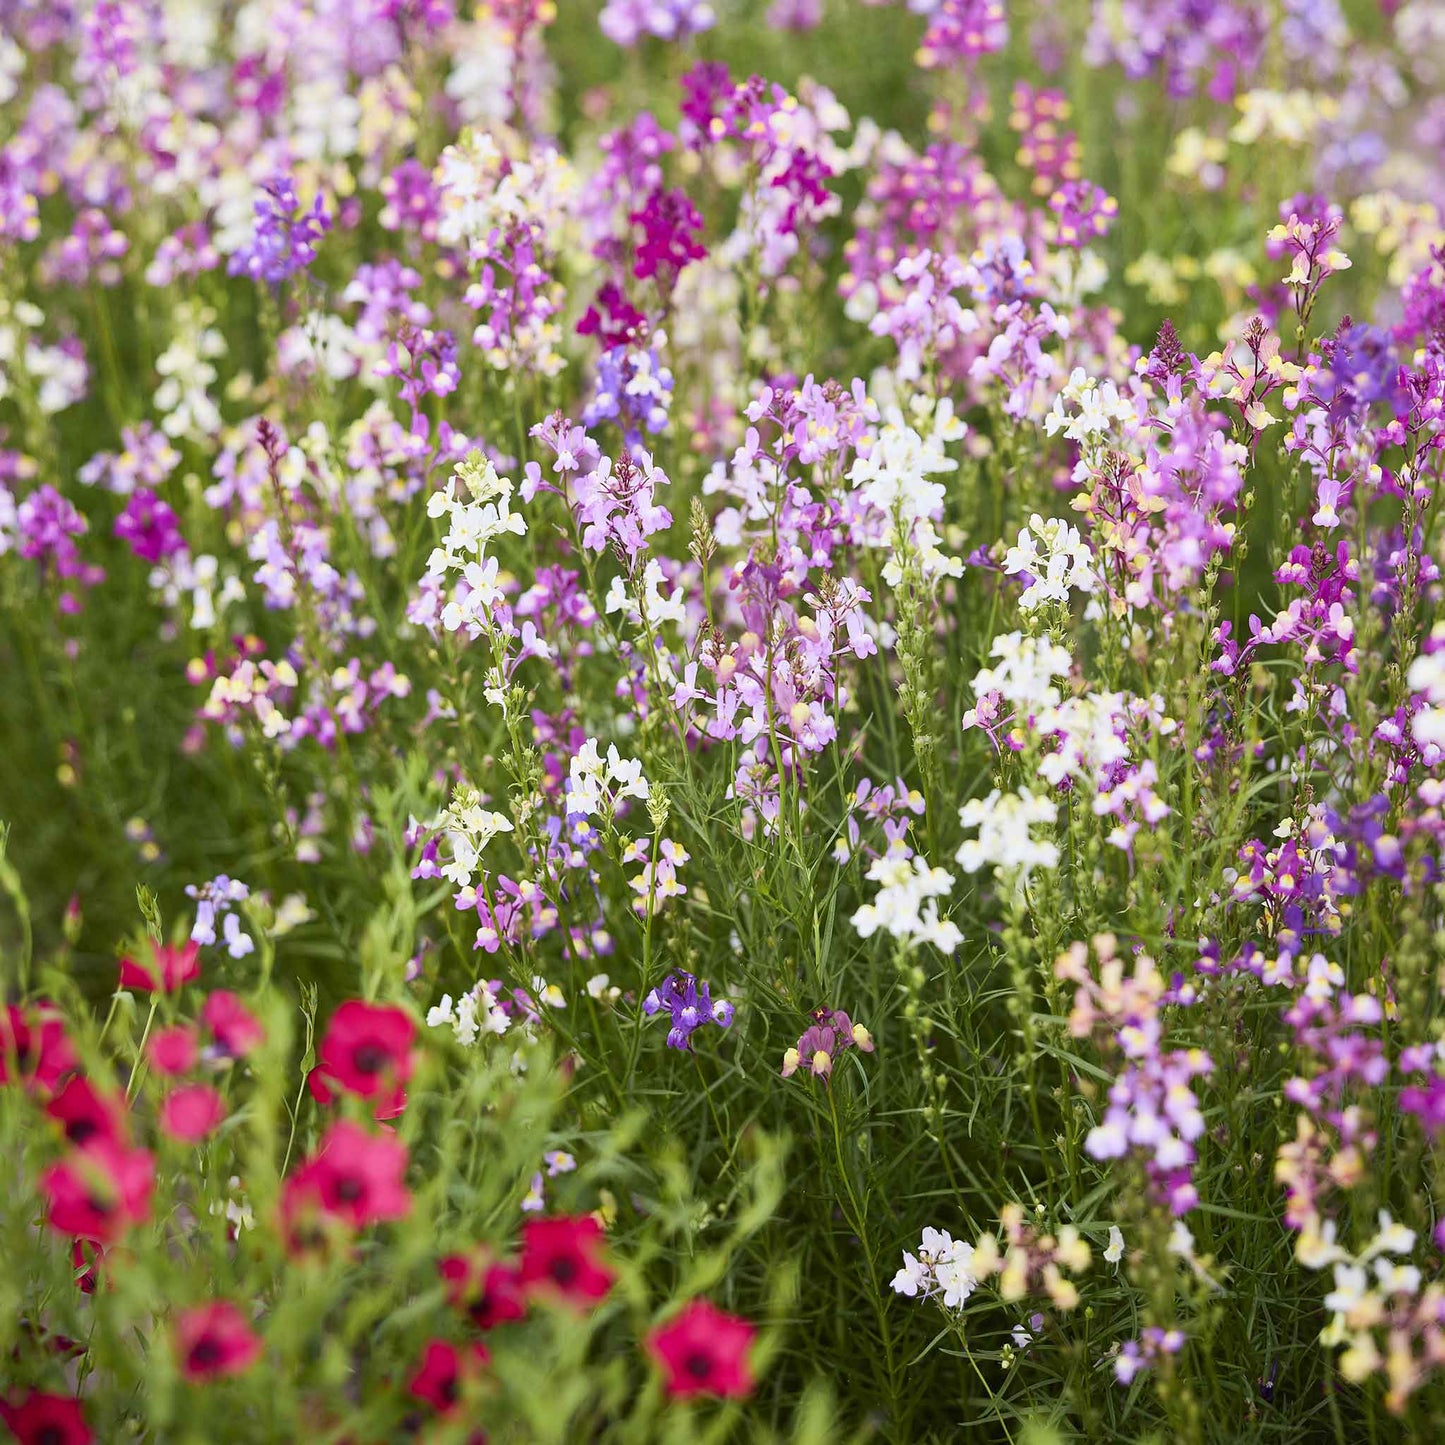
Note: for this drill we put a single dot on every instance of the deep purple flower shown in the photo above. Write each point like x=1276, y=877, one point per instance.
x=690, y=1006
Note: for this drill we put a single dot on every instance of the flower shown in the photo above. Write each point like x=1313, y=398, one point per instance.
x=943, y=1268
x=367, y=1049
x=906, y=905
x=689, y=1005
x=191, y=1112
x=832, y=1032
x=99, y=1191
x=35, y=1048
x=353, y=1179
x=87, y=1115
x=443, y=1371
x=214, y=1340
x=703, y=1351
x=236, y=1029
x=564, y=1257
x=173, y=1051
x=489, y=1292
x=37, y=1418
x=170, y=967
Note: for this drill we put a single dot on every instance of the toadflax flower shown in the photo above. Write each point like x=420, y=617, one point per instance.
x=906, y=904
x=831, y=1033
x=690, y=1006
x=942, y=1269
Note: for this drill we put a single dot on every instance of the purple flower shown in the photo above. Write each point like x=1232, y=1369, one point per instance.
x=284, y=240
x=149, y=527
x=689, y=1005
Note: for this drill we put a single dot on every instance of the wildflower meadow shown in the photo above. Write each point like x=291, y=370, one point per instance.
x=722, y=721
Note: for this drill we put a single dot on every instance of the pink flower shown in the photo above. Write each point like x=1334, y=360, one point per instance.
x=191, y=1112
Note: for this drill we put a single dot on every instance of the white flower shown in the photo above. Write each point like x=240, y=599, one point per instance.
x=1115, y=1250
x=1061, y=563
x=913, y=1278
x=1005, y=838
x=903, y=906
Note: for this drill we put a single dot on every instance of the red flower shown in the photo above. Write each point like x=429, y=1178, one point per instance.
x=40, y=1419
x=168, y=969
x=489, y=1292
x=214, y=1340
x=236, y=1028
x=367, y=1049
x=565, y=1256
x=444, y=1370
x=87, y=1115
x=703, y=1351
x=173, y=1051
x=191, y=1112
x=353, y=1178
x=34, y=1047
x=98, y=1192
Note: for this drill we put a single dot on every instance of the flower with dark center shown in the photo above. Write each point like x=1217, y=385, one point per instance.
x=37, y=1418
x=98, y=1192
x=354, y=1179
x=491, y=1293
x=703, y=1351
x=565, y=1258
x=445, y=1371
x=367, y=1051
x=214, y=1340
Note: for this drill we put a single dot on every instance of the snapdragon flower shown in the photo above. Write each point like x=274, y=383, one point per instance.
x=469, y=827
x=831, y=1033
x=216, y=900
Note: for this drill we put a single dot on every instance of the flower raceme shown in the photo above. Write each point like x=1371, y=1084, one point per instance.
x=831, y=1033
x=689, y=1004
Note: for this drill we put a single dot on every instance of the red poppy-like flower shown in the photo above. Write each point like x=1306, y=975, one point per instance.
x=367, y=1049
x=165, y=971
x=236, y=1028
x=191, y=1112
x=86, y=1114
x=214, y=1340
x=704, y=1351
x=444, y=1369
x=40, y=1419
x=565, y=1256
x=354, y=1178
x=489, y=1292
x=34, y=1047
x=173, y=1051
x=98, y=1192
